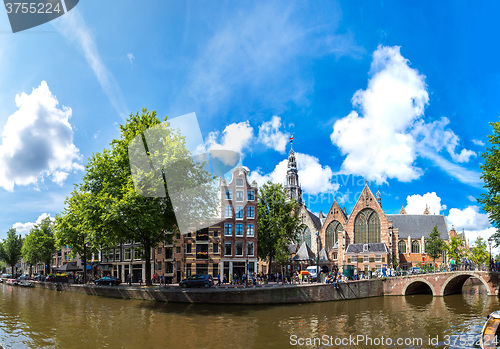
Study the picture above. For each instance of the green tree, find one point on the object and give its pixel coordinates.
(490, 200)
(434, 245)
(109, 207)
(277, 225)
(455, 249)
(40, 244)
(480, 253)
(10, 250)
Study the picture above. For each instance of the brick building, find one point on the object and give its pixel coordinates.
(227, 247)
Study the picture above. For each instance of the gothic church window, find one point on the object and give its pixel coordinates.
(402, 246)
(367, 227)
(332, 234)
(415, 247)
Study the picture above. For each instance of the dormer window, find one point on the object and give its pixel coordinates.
(365, 247)
(239, 182)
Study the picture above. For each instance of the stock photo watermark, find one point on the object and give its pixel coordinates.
(27, 14)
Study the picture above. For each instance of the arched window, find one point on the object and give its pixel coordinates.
(415, 247)
(304, 235)
(367, 227)
(402, 246)
(332, 234)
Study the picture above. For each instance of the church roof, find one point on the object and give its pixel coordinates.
(304, 253)
(323, 256)
(315, 219)
(418, 225)
(372, 247)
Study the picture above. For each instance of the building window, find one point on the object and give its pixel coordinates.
(378, 258)
(229, 196)
(178, 249)
(250, 211)
(229, 212)
(415, 247)
(239, 182)
(239, 248)
(169, 252)
(304, 235)
(239, 229)
(215, 270)
(239, 195)
(354, 259)
(169, 267)
(239, 211)
(188, 248)
(402, 246)
(188, 269)
(366, 258)
(332, 234)
(250, 195)
(228, 249)
(128, 254)
(159, 250)
(216, 233)
(250, 248)
(228, 229)
(249, 229)
(159, 266)
(117, 255)
(367, 227)
(215, 248)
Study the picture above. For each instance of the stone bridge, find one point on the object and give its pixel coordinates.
(440, 284)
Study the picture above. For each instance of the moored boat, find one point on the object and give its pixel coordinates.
(25, 283)
(12, 282)
(490, 335)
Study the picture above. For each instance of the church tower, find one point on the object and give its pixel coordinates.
(292, 177)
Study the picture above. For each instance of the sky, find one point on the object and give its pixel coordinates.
(396, 94)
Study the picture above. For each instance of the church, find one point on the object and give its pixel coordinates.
(365, 239)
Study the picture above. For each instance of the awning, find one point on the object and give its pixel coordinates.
(67, 268)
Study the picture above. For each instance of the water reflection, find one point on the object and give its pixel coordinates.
(34, 318)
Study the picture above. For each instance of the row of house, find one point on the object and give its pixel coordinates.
(366, 239)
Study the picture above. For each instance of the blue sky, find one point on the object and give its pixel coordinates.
(396, 93)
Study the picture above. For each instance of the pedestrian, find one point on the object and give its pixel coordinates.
(218, 279)
(161, 279)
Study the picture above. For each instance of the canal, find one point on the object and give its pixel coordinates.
(37, 318)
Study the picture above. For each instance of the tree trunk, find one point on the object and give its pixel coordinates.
(84, 265)
(47, 266)
(12, 270)
(31, 270)
(147, 258)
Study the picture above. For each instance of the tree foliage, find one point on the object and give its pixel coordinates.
(490, 200)
(40, 244)
(10, 248)
(434, 246)
(455, 249)
(278, 223)
(479, 253)
(109, 208)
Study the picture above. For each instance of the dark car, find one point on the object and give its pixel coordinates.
(107, 280)
(197, 281)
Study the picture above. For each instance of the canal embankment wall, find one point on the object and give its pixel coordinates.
(265, 294)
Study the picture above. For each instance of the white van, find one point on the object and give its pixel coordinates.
(312, 272)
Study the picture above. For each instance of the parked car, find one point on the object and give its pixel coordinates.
(197, 281)
(415, 270)
(108, 280)
(39, 277)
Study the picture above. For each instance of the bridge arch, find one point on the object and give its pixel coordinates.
(454, 283)
(418, 286)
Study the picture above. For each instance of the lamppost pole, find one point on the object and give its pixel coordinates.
(490, 240)
(317, 258)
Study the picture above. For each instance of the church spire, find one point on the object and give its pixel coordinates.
(292, 177)
(402, 211)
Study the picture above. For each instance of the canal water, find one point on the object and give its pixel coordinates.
(37, 318)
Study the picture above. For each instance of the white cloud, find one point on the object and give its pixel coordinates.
(474, 223)
(271, 136)
(469, 218)
(73, 27)
(383, 140)
(471, 198)
(24, 228)
(436, 136)
(131, 58)
(235, 136)
(37, 141)
(478, 142)
(313, 177)
(416, 204)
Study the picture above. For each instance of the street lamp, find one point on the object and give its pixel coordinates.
(490, 240)
(317, 258)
